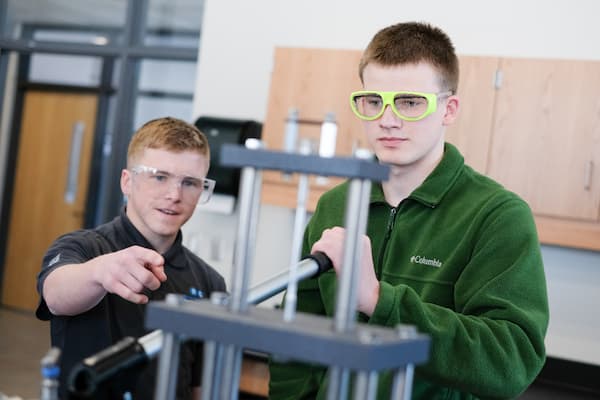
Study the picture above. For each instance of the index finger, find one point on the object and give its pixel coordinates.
(158, 271)
(148, 257)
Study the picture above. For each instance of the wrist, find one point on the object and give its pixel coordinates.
(96, 273)
(371, 300)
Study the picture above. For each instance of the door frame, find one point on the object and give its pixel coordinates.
(129, 51)
(49, 195)
(103, 92)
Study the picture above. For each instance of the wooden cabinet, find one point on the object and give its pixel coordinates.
(315, 82)
(547, 135)
(472, 130)
(546, 144)
(533, 125)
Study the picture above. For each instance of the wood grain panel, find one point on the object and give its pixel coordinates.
(39, 212)
(537, 132)
(315, 82)
(547, 136)
(569, 233)
(471, 133)
(254, 378)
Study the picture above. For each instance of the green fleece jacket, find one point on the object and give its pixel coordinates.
(460, 260)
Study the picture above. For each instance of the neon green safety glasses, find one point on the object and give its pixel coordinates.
(409, 106)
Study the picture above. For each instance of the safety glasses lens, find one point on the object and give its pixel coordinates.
(368, 105)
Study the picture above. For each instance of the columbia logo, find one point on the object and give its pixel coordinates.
(426, 261)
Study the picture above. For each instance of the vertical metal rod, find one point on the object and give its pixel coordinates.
(247, 223)
(361, 385)
(337, 385)
(6, 114)
(208, 369)
(168, 361)
(403, 377)
(133, 34)
(373, 381)
(365, 387)
(402, 383)
(228, 363)
(397, 391)
(212, 378)
(229, 388)
(345, 300)
(4, 59)
(233, 354)
(408, 382)
(213, 356)
(252, 229)
(234, 375)
(218, 371)
(356, 224)
(292, 290)
(344, 312)
(346, 297)
(239, 277)
(242, 263)
(299, 222)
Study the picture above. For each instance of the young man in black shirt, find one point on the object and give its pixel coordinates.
(94, 284)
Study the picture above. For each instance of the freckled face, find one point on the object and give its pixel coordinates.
(159, 216)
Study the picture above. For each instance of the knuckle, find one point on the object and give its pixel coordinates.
(110, 284)
(149, 280)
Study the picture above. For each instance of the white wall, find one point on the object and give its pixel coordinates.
(238, 36)
(235, 62)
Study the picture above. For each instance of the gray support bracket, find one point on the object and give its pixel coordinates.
(345, 167)
(309, 338)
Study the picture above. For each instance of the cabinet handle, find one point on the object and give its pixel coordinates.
(74, 158)
(587, 178)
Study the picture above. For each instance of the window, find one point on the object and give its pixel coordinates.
(138, 56)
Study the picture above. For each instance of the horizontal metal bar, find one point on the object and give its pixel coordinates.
(31, 46)
(348, 167)
(279, 282)
(308, 338)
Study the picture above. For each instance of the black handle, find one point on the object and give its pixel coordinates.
(322, 260)
(85, 377)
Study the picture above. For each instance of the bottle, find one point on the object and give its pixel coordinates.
(327, 142)
(291, 131)
(328, 136)
(290, 139)
(50, 372)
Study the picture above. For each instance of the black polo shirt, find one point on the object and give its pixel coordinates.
(114, 317)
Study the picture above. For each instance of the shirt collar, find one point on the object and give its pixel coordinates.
(432, 191)
(174, 257)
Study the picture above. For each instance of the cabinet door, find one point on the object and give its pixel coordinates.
(546, 136)
(315, 82)
(471, 132)
(51, 185)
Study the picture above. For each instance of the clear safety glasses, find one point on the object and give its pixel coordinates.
(409, 106)
(157, 182)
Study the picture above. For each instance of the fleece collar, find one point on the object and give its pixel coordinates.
(437, 184)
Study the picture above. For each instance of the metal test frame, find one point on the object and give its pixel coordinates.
(230, 324)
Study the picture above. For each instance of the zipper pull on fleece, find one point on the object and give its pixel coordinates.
(391, 220)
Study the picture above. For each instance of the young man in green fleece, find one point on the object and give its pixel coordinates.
(447, 250)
